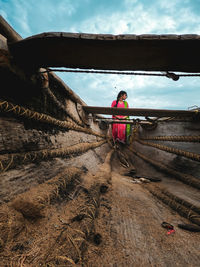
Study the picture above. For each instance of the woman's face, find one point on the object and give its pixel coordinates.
(124, 96)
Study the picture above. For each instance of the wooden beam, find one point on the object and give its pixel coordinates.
(7, 31)
(110, 121)
(12, 36)
(110, 52)
(123, 121)
(140, 112)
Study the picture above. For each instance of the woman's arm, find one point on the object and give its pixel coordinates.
(113, 104)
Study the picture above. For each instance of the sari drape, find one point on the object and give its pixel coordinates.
(120, 132)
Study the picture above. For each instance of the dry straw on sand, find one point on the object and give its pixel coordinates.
(32, 203)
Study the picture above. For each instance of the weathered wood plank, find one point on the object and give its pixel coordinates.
(7, 31)
(110, 52)
(139, 112)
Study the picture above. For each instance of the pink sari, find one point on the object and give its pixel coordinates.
(118, 130)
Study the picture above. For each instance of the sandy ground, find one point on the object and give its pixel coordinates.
(127, 229)
(133, 232)
(146, 242)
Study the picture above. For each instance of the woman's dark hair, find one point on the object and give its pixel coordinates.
(121, 93)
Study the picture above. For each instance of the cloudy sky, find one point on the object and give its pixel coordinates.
(30, 17)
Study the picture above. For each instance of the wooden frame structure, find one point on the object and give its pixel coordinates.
(140, 112)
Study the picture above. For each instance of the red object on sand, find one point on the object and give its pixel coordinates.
(170, 231)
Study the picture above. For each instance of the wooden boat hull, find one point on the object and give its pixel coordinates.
(69, 196)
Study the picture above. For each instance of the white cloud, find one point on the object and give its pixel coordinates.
(134, 17)
(143, 91)
(160, 17)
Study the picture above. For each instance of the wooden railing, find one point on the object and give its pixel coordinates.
(140, 112)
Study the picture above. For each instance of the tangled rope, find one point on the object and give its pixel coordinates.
(20, 111)
(8, 161)
(176, 151)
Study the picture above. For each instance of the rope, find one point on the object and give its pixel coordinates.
(185, 178)
(135, 131)
(174, 138)
(181, 201)
(32, 202)
(181, 209)
(169, 75)
(176, 151)
(20, 111)
(9, 161)
(61, 106)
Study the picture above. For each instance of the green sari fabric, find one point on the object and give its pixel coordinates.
(128, 126)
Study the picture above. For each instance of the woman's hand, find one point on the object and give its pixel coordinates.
(117, 117)
(121, 117)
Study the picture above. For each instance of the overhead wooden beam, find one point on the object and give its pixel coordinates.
(110, 52)
(140, 112)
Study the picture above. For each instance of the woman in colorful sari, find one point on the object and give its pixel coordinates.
(120, 132)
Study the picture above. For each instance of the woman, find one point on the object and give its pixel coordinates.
(120, 132)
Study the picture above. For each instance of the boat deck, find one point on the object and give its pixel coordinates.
(121, 227)
(132, 231)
